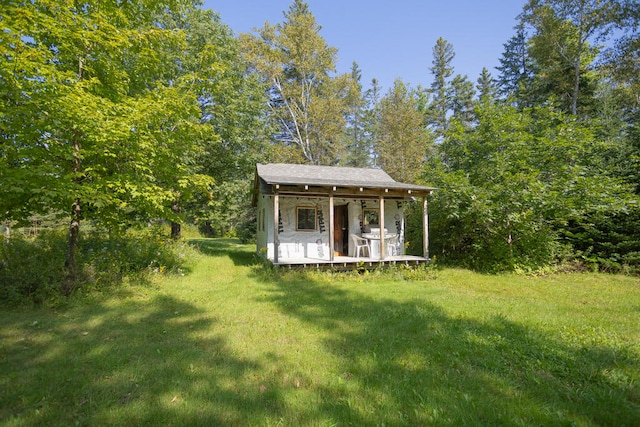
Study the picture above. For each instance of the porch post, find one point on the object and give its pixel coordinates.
(425, 226)
(331, 233)
(276, 219)
(382, 245)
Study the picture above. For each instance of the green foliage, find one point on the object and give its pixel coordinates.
(308, 102)
(360, 122)
(607, 242)
(402, 140)
(511, 184)
(442, 70)
(31, 267)
(487, 86)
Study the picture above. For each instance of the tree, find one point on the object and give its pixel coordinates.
(560, 43)
(441, 70)
(403, 140)
(487, 87)
(357, 135)
(513, 184)
(516, 74)
(308, 103)
(461, 95)
(106, 119)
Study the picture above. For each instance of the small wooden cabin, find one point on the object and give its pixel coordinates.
(313, 215)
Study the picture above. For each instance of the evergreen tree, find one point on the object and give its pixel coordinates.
(516, 75)
(441, 70)
(372, 119)
(462, 93)
(358, 140)
(487, 87)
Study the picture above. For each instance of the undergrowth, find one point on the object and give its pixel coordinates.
(32, 268)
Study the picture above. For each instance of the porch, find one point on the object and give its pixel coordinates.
(321, 216)
(348, 262)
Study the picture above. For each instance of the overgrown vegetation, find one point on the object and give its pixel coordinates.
(233, 343)
(31, 267)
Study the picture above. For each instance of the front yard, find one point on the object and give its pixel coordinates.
(230, 343)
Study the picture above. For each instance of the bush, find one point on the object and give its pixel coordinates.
(32, 269)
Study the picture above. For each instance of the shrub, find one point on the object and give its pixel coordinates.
(32, 269)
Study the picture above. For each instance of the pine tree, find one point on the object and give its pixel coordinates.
(462, 93)
(358, 140)
(487, 86)
(372, 119)
(441, 70)
(516, 76)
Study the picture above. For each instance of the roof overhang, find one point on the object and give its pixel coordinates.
(325, 186)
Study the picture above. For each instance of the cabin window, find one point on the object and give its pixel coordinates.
(306, 218)
(371, 216)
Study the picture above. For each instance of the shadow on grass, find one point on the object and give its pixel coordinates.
(236, 251)
(410, 363)
(152, 362)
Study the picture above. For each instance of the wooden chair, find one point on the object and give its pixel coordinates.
(360, 243)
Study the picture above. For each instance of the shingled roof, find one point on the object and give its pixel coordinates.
(291, 174)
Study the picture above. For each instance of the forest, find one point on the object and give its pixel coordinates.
(123, 122)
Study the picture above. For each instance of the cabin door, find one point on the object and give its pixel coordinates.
(341, 230)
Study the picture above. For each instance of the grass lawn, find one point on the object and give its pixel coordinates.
(231, 343)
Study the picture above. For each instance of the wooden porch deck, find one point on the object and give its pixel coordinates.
(348, 263)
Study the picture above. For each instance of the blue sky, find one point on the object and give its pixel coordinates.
(391, 39)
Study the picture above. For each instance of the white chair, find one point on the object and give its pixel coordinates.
(392, 245)
(360, 244)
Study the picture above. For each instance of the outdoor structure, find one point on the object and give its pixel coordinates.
(333, 216)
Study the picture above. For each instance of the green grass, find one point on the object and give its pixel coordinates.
(231, 343)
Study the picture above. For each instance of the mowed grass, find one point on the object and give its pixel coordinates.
(233, 343)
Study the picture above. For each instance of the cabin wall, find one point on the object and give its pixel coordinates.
(264, 227)
(293, 243)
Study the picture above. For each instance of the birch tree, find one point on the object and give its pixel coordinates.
(308, 100)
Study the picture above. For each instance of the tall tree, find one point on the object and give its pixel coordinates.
(358, 139)
(372, 118)
(516, 74)
(307, 100)
(564, 31)
(403, 140)
(441, 70)
(462, 93)
(107, 120)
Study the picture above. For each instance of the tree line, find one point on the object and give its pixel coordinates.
(118, 113)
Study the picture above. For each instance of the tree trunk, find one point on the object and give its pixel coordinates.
(576, 89)
(71, 263)
(7, 229)
(176, 229)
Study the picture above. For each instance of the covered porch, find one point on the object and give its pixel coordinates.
(349, 262)
(335, 217)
